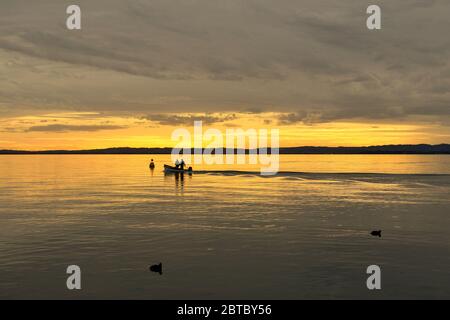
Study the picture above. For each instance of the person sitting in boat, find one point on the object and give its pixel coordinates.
(177, 164)
(182, 164)
(152, 164)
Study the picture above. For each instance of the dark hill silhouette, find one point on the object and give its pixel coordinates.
(383, 149)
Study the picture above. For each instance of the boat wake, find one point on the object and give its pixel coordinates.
(430, 179)
(300, 173)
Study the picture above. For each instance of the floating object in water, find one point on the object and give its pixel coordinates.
(156, 268)
(170, 169)
(376, 233)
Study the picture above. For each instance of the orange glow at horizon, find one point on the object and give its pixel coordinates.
(75, 131)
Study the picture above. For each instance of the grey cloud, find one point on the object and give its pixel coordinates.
(348, 113)
(66, 128)
(254, 110)
(313, 59)
(304, 117)
(291, 118)
(188, 120)
(10, 130)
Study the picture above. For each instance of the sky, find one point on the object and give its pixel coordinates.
(139, 69)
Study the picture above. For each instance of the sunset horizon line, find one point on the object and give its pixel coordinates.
(421, 148)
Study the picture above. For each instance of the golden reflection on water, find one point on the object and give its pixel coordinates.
(223, 235)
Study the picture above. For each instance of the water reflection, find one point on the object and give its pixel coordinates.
(179, 179)
(293, 234)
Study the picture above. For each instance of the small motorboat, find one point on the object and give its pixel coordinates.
(171, 169)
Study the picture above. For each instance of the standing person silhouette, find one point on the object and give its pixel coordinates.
(182, 164)
(177, 164)
(152, 164)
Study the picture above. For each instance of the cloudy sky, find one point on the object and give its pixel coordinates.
(140, 68)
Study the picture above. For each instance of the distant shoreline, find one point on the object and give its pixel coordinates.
(383, 149)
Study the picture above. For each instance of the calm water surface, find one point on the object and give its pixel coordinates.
(225, 235)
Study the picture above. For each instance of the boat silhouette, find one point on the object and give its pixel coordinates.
(171, 169)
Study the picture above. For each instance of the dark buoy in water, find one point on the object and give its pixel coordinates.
(156, 268)
(376, 233)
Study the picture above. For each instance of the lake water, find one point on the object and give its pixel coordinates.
(301, 234)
